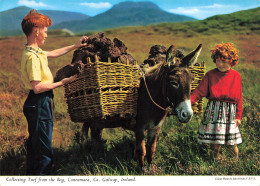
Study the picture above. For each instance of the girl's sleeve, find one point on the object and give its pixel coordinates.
(239, 104)
(201, 90)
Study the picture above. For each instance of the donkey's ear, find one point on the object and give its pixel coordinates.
(170, 56)
(191, 58)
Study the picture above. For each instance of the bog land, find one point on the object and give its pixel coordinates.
(178, 152)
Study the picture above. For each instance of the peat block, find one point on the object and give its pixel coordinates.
(98, 45)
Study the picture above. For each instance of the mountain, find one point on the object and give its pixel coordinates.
(124, 14)
(10, 20)
(63, 16)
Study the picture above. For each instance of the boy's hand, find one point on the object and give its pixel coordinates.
(81, 43)
(69, 79)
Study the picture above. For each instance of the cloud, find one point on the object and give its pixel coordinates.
(97, 5)
(31, 3)
(182, 10)
(202, 12)
(214, 6)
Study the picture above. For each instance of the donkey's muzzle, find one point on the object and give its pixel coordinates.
(185, 116)
(184, 111)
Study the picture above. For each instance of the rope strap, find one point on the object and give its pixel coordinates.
(165, 109)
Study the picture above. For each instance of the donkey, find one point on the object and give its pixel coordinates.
(164, 85)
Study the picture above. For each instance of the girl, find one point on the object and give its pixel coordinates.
(222, 86)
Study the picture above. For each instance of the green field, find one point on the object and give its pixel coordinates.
(178, 152)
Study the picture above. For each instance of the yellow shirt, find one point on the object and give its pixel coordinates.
(34, 67)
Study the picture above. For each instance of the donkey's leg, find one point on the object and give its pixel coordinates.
(140, 150)
(151, 143)
(85, 129)
(96, 134)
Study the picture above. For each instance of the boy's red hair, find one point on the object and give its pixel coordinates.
(225, 51)
(34, 19)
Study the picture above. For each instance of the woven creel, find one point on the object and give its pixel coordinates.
(109, 90)
(103, 90)
(198, 71)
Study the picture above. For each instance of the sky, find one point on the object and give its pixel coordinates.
(199, 9)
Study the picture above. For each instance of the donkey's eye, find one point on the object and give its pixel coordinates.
(177, 60)
(174, 84)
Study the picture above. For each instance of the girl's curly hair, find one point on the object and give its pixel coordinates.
(34, 19)
(225, 51)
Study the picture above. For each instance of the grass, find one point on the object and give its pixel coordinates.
(178, 152)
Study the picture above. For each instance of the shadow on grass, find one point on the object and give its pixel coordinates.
(86, 158)
(13, 162)
(95, 158)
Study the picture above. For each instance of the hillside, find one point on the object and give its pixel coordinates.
(124, 14)
(10, 20)
(242, 22)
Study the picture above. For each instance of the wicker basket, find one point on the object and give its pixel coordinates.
(198, 71)
(109, 90)
(103, 90)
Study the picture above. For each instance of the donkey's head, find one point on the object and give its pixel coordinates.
(178, 83)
